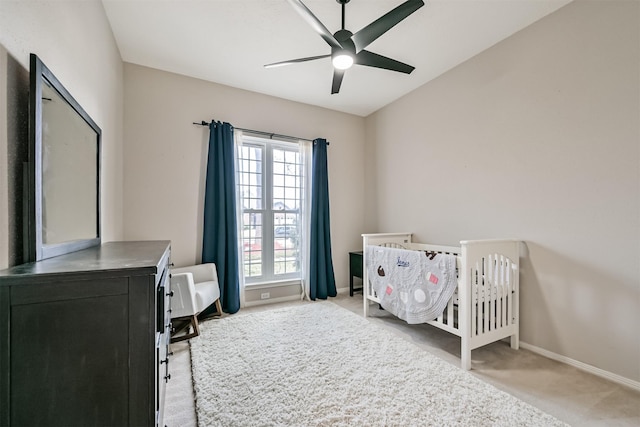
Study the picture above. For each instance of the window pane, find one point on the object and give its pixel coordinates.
(278, 167)
(252, 244)
(279, 205)
(251, 177)
(286, 243)
(286, 179)
(290, 157)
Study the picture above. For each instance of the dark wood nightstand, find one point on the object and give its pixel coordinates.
(355, 270)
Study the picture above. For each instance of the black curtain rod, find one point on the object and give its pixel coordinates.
(259, 132)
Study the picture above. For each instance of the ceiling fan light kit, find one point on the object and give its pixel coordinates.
(342, 60)
(348, 48)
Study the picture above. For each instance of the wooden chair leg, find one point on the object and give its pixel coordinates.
(216, 314)
(194, 325)
(193, 322)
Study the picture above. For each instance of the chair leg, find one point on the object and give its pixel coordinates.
(216, 314)
(193, 322)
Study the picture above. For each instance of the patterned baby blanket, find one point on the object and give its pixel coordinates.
(413, 285)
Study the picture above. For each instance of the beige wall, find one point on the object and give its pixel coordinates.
(536, 138)
(75, 41)
(165, 157)
(14, 126)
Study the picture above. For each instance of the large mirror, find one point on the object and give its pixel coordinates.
(64, 170)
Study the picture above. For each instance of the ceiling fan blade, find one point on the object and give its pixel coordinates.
(371, 32)
(315, 23)
(370, 59)
(295, 61)
(337, 81)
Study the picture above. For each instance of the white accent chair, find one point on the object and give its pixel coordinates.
(194, 289)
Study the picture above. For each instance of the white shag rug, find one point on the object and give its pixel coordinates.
(318, 364)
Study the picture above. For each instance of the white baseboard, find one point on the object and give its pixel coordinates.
(285, 299)
(272, 300)
(583, 366)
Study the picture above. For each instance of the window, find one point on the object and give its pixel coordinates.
(271, 188)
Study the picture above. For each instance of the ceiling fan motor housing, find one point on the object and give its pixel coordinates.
(344, 38)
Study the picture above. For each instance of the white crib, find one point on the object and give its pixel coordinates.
(484, 308)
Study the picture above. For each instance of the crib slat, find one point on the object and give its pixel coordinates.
(444, 316)
(499, 289)
(503, 264)
(489, 293)
(499, 284)
(505, 286)
(474, 301)
(484, 293)
(479, 300)
(481, 295)
(505, 289)
(510, 319)
(512, 303)
(499, 293)
(488, 290)
(494, 291)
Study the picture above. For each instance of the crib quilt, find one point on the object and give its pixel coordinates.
(412, 285)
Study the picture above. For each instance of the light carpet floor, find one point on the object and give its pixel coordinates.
(319, 364)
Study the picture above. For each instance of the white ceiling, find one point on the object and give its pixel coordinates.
(229, 41)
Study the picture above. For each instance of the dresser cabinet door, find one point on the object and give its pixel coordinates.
(69, 349)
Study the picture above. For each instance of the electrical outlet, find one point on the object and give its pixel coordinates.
(265, 295)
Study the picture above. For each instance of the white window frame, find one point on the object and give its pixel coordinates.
(268, 277)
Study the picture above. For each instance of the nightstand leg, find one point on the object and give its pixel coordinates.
(350, 286)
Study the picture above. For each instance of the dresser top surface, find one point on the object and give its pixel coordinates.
(142, 257)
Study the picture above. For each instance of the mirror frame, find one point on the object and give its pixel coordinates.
(35, 248)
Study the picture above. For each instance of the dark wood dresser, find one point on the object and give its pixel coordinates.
(84, 337)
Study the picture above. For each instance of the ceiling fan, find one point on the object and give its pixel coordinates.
(348, 48)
